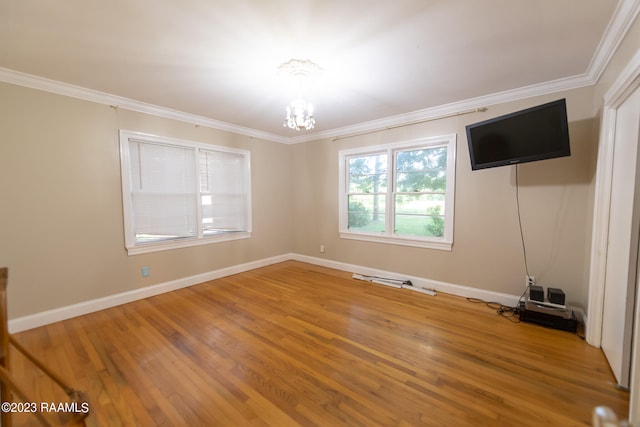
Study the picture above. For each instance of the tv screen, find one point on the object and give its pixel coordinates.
(537, 133)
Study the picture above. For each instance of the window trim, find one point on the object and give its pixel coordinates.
(388, 237)
(134, 248)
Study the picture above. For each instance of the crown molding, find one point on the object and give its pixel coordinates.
(447, 110)
(623, 17)
(65, 89)
(625, 14)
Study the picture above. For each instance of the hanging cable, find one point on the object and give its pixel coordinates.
(511, 313)
(524, 247)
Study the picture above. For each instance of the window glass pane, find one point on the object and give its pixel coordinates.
(161, 217)
(415, 180)
(178, 192)
(163, 192)
(368, 174)
(421, 170)
(223, 194)
(367, 212)
(224, 214)
(221, 172)
(419, 215)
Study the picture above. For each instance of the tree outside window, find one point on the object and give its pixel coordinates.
(400, 193)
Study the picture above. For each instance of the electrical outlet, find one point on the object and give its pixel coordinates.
(146, 271)
(321, 249)
(530, 281)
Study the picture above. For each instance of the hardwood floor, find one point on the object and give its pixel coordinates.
(297, 344)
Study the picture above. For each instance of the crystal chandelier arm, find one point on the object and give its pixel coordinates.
(299, 112)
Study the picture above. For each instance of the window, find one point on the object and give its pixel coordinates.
(180, 193)
(399, 193)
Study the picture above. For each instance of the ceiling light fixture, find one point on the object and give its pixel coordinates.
(299, 112)
(299, 115)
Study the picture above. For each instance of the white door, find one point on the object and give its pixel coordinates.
(622, 248)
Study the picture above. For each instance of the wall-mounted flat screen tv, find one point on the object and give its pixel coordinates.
(537, 133)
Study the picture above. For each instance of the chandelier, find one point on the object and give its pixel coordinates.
(299, 115)
(299, 112)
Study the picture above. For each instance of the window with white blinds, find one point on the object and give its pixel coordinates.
(222, 192)
(180, 193)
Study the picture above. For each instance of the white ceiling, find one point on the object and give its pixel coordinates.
(383, 60)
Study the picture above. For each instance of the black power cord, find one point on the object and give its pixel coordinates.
(510, 313)
(524, 247)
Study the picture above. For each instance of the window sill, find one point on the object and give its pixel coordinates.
(431, 244)
(184, 243)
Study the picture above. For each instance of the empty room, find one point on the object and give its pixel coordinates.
(319, 213)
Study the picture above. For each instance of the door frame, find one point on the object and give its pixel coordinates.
(625, 84)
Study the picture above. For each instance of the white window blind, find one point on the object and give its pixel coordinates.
(180, 193)
(163, 191)
(222, 184)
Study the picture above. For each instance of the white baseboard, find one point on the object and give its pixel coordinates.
(51, 316)
(449, 288)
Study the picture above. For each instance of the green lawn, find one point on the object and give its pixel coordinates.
(405, 225)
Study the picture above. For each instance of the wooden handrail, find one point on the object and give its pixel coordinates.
(6, 378)
(5, 387)
(8, 385)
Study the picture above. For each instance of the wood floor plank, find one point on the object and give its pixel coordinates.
(295, 344)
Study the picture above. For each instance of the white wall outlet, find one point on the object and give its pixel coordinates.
(321, 249)
(146, 271)
(530, 281)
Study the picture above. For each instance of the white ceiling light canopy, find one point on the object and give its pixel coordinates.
(300, 112)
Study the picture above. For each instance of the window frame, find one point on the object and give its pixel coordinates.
(132, 246)
(388, 236)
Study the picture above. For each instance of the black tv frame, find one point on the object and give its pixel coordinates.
(526, 117)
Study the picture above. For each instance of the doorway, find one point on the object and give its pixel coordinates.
(619, 114)
(622, 248)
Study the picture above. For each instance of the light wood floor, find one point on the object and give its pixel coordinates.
(296, 344)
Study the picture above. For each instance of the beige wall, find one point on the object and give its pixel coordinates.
(61, 227)
(487, 250)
